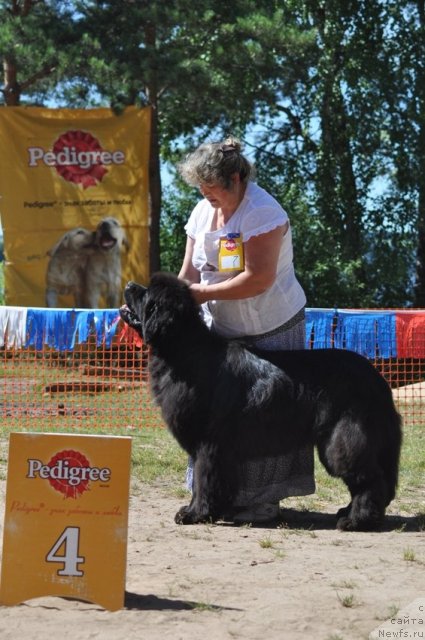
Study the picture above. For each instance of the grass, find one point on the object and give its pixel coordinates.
(347, 601)
(409, 555)
(204, 606)
(266, 543)
(156, 457)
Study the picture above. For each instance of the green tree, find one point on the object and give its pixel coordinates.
(177, 205)
(329, 95)
(190, 62)
(35, 42)
(325, 138)
(195, 64)
(406, 123)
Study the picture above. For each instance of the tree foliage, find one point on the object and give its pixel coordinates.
(328, 134)
(37, 41)
(328, 95)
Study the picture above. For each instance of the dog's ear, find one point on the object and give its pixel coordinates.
(156, 322)
(168, 307)
(62, 243)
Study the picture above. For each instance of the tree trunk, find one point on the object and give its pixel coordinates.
(11, 89)
(351, 211)
(419, 300)
(155, 194)
(326, 178)
(154, 159)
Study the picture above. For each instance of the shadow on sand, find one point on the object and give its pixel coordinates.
(316, 520)
(150, 602)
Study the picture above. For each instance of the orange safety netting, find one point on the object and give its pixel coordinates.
(80, 371)
(91, 386)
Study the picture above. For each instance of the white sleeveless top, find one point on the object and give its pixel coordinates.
(258, 213)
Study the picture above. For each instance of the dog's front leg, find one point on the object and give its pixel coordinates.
(208, 490)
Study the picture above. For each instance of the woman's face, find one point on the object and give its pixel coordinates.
(218, 196)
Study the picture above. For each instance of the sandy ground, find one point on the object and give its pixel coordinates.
(300, 579)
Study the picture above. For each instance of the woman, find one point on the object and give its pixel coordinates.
(239, 263)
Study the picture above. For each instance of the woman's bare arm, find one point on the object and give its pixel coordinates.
(261, 254)
(188, 271)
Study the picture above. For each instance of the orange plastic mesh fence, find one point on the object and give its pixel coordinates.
(104, 384)
(86, 388)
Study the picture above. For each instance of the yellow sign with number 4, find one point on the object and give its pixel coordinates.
(66, 518)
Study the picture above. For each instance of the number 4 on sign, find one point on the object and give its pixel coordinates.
(69, 540)
(62, 491)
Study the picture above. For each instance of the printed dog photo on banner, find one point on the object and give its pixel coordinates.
(75, 217)
(87, 264)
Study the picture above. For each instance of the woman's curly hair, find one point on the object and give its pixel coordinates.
(216, 163)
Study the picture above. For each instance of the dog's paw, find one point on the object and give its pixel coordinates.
(345, 523)
(350, 524)
(182, 516)
(186, 516)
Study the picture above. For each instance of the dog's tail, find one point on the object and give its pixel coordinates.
(390, 456)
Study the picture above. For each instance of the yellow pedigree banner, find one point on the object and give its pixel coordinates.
(74, 204)
(66, 518)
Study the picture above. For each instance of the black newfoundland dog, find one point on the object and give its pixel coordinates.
(225, 404)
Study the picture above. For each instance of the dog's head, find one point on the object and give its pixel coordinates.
(110, 235)
(132, 311)
(74, 241)
(162, 311)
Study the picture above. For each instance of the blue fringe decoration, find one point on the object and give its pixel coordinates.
(61, 329)
(372, 334)
(319, 324)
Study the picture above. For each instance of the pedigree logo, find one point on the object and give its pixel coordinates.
(230, 245)
(77, 157)
(68, 472)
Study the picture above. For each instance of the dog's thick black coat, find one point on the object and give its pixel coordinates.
(225, 404)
